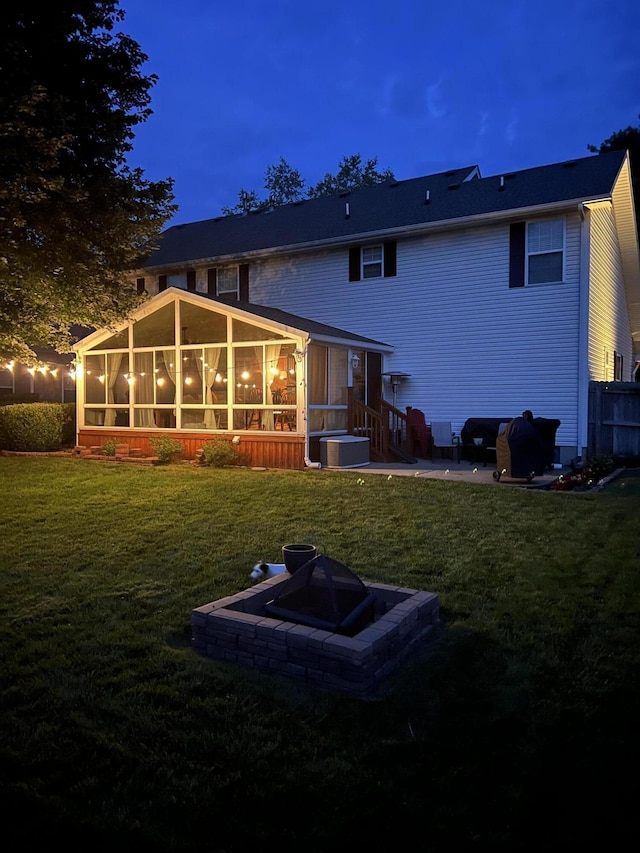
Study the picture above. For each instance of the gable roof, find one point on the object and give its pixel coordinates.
(387, 208)
(282, 320)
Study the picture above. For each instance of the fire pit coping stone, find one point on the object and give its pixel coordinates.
(236, 629)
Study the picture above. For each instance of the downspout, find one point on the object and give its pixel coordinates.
(305, 384)
(583, 331)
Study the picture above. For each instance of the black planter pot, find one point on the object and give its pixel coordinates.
(295, 556)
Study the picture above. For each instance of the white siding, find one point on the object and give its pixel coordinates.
(473, 346)
(609, 329)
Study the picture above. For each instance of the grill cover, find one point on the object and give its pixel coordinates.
(325, 594)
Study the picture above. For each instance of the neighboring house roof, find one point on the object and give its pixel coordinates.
(388, 207)
(317, 332)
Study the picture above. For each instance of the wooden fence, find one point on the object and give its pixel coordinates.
(614, 419)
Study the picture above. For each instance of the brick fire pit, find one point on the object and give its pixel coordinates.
(237, 629)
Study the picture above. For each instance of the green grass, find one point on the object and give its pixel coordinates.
(516, 731)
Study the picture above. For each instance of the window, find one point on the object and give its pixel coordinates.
(536, 252)
(545, 251)
(372, 261)
(618, 363)
(229, 282)
(7, 381)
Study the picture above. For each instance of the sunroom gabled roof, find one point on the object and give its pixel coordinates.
(282, 321)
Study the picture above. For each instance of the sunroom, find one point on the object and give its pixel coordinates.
(193, 367)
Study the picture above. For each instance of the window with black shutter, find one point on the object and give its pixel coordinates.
(191, 280)
(162, 283)
(373, 261)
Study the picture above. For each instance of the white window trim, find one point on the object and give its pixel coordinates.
(528, 253)
(367, 264)
(234, 292)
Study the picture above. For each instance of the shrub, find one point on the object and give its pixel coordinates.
(108, 447)
(166, 449)
(34, 427)
(219, 452)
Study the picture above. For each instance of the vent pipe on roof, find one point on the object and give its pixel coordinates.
(427, 197)
(347, 211)
(501, 182)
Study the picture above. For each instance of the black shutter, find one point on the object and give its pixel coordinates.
(191, 279)
(243, 281)
(516, 254)
(354, 264)
(390, 259)
(140, 286)
(162, 283)
(212, 279)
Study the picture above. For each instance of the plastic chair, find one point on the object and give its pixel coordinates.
(443, 438)
(420, 434)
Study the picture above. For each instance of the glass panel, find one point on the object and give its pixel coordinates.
(227, 280)
(120, 417)
(152, 418)
(372, 262)
(281, 374)
(545, 268)
(156, 330)
(144, 384)
(118, 341)
(358, 376)
(318, 374)
(248, 419)
(165, 376)
(192, 375)
(545, 236)
(6, 380)
(338, 376)
(248, 332)
(117, 376)
(215, 373)
(202, 326)
(194, 419)
(248, 374)
(94, 417)
(323, 420)
(95, 379)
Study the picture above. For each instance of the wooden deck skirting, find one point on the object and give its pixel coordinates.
(256, 450)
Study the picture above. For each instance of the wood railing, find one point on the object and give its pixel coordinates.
(386, 427)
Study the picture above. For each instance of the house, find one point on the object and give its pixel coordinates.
(458, 295)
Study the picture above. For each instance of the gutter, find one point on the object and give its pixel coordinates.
(305, 384)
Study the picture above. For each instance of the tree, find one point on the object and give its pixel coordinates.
(351, 175)
(75, 219)
(285, 184)
(627, 139)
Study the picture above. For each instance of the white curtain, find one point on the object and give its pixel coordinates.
(212, 359)
(114, 360)
(169, 358)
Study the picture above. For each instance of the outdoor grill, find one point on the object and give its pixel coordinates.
(325, 594)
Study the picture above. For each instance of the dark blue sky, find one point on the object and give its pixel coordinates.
(422, 86)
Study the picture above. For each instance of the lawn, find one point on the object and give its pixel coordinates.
(516, 731)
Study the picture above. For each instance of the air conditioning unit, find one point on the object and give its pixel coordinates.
(344, 451)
